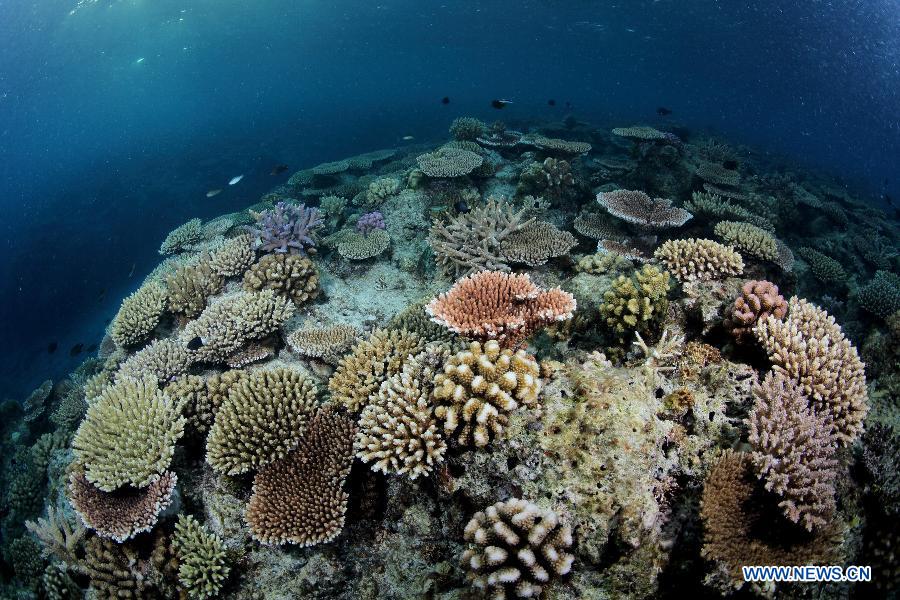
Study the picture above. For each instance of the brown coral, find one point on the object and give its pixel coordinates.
(190, 286)
(758, 300)
(293, 276)
(300, 499)
(638, 208)
(491, 305)
(537, 243)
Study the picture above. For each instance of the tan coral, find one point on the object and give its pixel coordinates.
(699, 260)
(182, 237)
(537, 243)
(233, 257)
(751, 239)
(139, 315)
(491, 305)
(480, 387)
(327, 342)
(190, 286)
(163, 359)
(293, 276)
(300, 499)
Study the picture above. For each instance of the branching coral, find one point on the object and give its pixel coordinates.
(300, 499)
(190, 286)
(491, 305)
(639, 209)
(203, 397)
(327, 343)
(881, 295)
(290, 275)
(449, 162)
(121, 514)
(59, 536)
(230, 323)
(825, 268)
(472, 241)
(128, 435)
(516, 548)
(467, 128)
(182, 237)
(203, 562)
(551, 178)
(793, 451)
(480, 387)
(749, 238)
(758, 300)
(232, 257)
(261, 420)
(162, 359)
(380, 190)
(287, 228)
(398, 432)
(809, 347)
(699, 260)
(372, 361)
(139, 315)
(635, 304)
(537, 243)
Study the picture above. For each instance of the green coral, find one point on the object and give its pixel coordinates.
(466, 128)
(203, 563)
(825, 268)
(128, 435)
(139, 315)
(635, 303)
(881, 296)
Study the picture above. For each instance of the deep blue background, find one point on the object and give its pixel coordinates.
(100, 156)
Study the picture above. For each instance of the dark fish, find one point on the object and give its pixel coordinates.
(461, 206)
(568, 104)
(498, 104)
(76, 349)
(195, 344)
(278, 170)
(102, 295)
(51, 348)
(131, 272)
(91, 348)
(445, 100)
(663, 111)
(731, 165)
(551, 102)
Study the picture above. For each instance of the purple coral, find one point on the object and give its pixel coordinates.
(369, 222)
(287, 228)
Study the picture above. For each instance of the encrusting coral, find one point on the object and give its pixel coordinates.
(290, 275)
(505, 307)
(758, 300)
(635, 304)
(139, 315)
(478, 389)
(300, 499)
(153, 423)
(516, 548)
(398, 432)
(699, 260)
(203, 562)
(261, 420)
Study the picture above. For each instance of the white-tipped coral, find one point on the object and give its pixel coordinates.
(516, 548)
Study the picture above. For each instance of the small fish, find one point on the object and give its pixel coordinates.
(278, 170)
(91, 348)
(407, 138)
(195, 344)
(139, 61)
(551, 102)
(663, 111)
(498, 104)
(51, 348)
(102, 295)
(212, 193)
(445, 100)
(234, 180)
(461, 206)
(131, 272)
(76, 349)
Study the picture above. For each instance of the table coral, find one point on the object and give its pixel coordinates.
(537, 243)
(638, 208)
(449, 162)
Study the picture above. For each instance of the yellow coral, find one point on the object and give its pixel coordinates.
(634, 304)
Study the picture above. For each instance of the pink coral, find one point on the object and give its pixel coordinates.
(758, 300)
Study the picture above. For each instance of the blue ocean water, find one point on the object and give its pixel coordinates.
(117, 116)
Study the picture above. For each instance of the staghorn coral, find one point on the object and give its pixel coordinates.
(232, 257)
(881, 295)
(327, 343)
(491, 305)
(793, 451)
(362, 246)
(261, 420)
(825, 268)
(749, 238)
(467, 128)
(537, 243)
(287, 228)
(449, 162)
(733, 521)
(472, 241)
(233, 321)
(639, 209)
(480, 387)
(121, 514)
(190, 286)
(758, 300)
(380, 190)
(635, 304)
(162, 359)
(515, 549)
(153, 422)
(398, 432)
(203, 562)
(300, 499)
(182, 237)
(809, 347)
(371, 362)
(59, 536)
(290, 275)
(139, 315)
(699, 260)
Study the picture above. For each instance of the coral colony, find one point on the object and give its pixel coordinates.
(562, 362)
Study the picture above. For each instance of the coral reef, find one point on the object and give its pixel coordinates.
(881, 295)
(190, 286)
(232, 257)
(467, 128)
(749, 238)
(825, 268)
(163, 359)
(182, 237)
(636, 303)
(758, 300)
